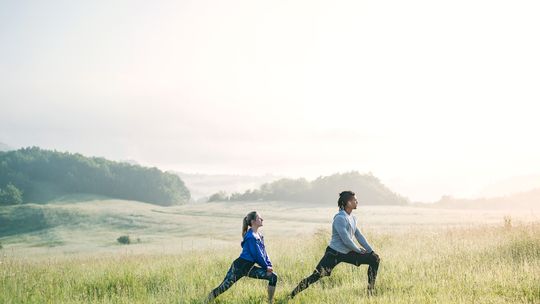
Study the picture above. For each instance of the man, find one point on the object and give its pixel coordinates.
(342, 247)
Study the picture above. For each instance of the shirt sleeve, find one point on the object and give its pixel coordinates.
(362, 240)
(346, 238)
(268, 262)
(256, 253)
(266, 257)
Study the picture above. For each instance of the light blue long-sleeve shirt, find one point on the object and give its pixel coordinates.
(343, 229)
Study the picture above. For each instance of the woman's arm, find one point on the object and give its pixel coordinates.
(256, 253)
(268, 262)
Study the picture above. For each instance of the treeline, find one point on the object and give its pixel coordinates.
(37, 175)
(526, 199)
(369, 190)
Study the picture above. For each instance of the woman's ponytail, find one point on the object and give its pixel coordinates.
(247, 221)
(244, 226)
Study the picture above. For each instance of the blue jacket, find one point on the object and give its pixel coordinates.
(253, 250)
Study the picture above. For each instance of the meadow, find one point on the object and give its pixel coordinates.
(428, 255)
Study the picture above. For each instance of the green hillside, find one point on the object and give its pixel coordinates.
(325, 189)
(42, 175)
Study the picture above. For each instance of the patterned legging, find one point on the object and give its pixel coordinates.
(239, 269)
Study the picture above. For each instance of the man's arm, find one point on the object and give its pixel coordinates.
(362, 240)
(341, 228)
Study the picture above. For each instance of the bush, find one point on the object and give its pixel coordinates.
(10, 195)
(221, 196)
(124, 239)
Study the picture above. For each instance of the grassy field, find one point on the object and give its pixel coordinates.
(428, 255)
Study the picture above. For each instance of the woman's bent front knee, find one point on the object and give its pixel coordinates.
(272, 280)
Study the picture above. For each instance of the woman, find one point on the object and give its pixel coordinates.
(253, 251)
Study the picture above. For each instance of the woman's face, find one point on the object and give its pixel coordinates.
(258, 221)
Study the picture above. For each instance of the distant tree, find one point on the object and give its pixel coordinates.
(218, 197)
(10, 195)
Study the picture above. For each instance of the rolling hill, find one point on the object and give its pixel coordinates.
(43, 175)
(369, 189)
(525, 199)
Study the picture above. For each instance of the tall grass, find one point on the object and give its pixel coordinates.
(482, 264)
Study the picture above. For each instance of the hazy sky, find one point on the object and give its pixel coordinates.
(433, 97)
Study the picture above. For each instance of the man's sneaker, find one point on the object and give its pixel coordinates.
(370, 290)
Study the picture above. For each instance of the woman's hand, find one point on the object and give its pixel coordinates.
(269, 271)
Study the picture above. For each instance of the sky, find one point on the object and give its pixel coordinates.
(433, 97)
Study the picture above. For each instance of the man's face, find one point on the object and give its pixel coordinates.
(352, 203)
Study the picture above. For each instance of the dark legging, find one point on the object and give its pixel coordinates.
(331, 258)
(239, 269)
